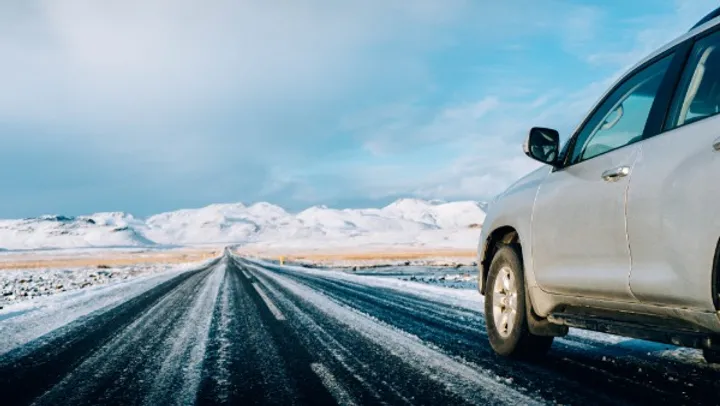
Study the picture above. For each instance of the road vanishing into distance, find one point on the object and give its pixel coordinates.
(241, 332)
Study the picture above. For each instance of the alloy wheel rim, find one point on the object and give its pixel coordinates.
(505, 301)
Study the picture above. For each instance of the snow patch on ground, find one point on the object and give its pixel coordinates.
(447, 277)
(465, 298)
(22, 285)
(360, 264)
(23, 322)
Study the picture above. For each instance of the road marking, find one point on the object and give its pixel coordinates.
(336, 390)
(245, 273)
(273, 309)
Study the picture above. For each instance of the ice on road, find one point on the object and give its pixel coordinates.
(239, 332)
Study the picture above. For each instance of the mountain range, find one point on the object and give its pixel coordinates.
(405, 221)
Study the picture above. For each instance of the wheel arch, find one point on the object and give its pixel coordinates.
(508, 235)
(501, 235)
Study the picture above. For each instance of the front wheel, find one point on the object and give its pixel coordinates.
(505, 308)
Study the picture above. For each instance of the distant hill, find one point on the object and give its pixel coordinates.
(405, 220)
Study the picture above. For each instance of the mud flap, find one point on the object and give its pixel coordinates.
(539, 326)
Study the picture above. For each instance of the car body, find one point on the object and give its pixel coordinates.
(620, 231)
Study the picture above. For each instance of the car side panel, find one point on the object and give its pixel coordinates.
(580, 245)
(514, 209)
(674, 216)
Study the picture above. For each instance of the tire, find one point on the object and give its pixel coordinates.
(711, 356)
(505, 308)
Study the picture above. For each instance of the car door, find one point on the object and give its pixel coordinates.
(674, 197)
(579, 235)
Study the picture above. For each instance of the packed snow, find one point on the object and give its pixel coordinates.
(404, 223)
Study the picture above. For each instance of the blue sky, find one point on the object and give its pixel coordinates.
(152, 106)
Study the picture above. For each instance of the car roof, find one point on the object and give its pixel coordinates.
(710, 16)
(706, 23)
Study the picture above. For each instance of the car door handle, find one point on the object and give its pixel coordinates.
(614, 174)
(716, 144)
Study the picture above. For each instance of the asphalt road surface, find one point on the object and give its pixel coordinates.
(237, 332)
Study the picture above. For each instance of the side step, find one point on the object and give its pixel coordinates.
(668, 334)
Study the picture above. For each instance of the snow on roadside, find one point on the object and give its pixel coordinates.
(455, 277)
(465, 298)
(27, 284)
(449, 262)
(20, 323)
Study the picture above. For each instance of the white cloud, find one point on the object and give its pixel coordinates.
(138, 63)
(494, 159)
(659, 30)
(183, 87)
(581, 26)
(176, 97)
(490, 156)
(473, 111)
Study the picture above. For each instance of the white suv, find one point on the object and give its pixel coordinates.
(620, 232)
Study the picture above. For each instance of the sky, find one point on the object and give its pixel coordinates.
(149, 106)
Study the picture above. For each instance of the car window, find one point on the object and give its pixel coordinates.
(698, 94)
(621, 117)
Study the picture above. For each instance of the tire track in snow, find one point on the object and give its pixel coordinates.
(187, 346)
(458, 332)
(56, 312)
(128, 368)
(577, 369)
(55, 355)
(472, 385)
(243, 365)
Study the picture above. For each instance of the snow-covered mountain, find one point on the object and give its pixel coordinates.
(71, 232)
(261, 223)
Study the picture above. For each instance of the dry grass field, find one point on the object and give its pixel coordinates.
(110, 259)
(321, 257)
(120, 258)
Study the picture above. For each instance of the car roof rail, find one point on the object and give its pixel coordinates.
(711, 15)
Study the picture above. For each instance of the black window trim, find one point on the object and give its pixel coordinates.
(659, 107)
(663, 101)
(690, 44)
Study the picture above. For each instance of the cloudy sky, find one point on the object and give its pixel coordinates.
(148, 106)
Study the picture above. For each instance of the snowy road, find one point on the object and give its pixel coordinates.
(244, 333)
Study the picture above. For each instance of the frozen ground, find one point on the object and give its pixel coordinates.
(27, 284)
(456, 278)
(442, 273)
(335, 259)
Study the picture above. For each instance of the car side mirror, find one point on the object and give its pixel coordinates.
(543, 144)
